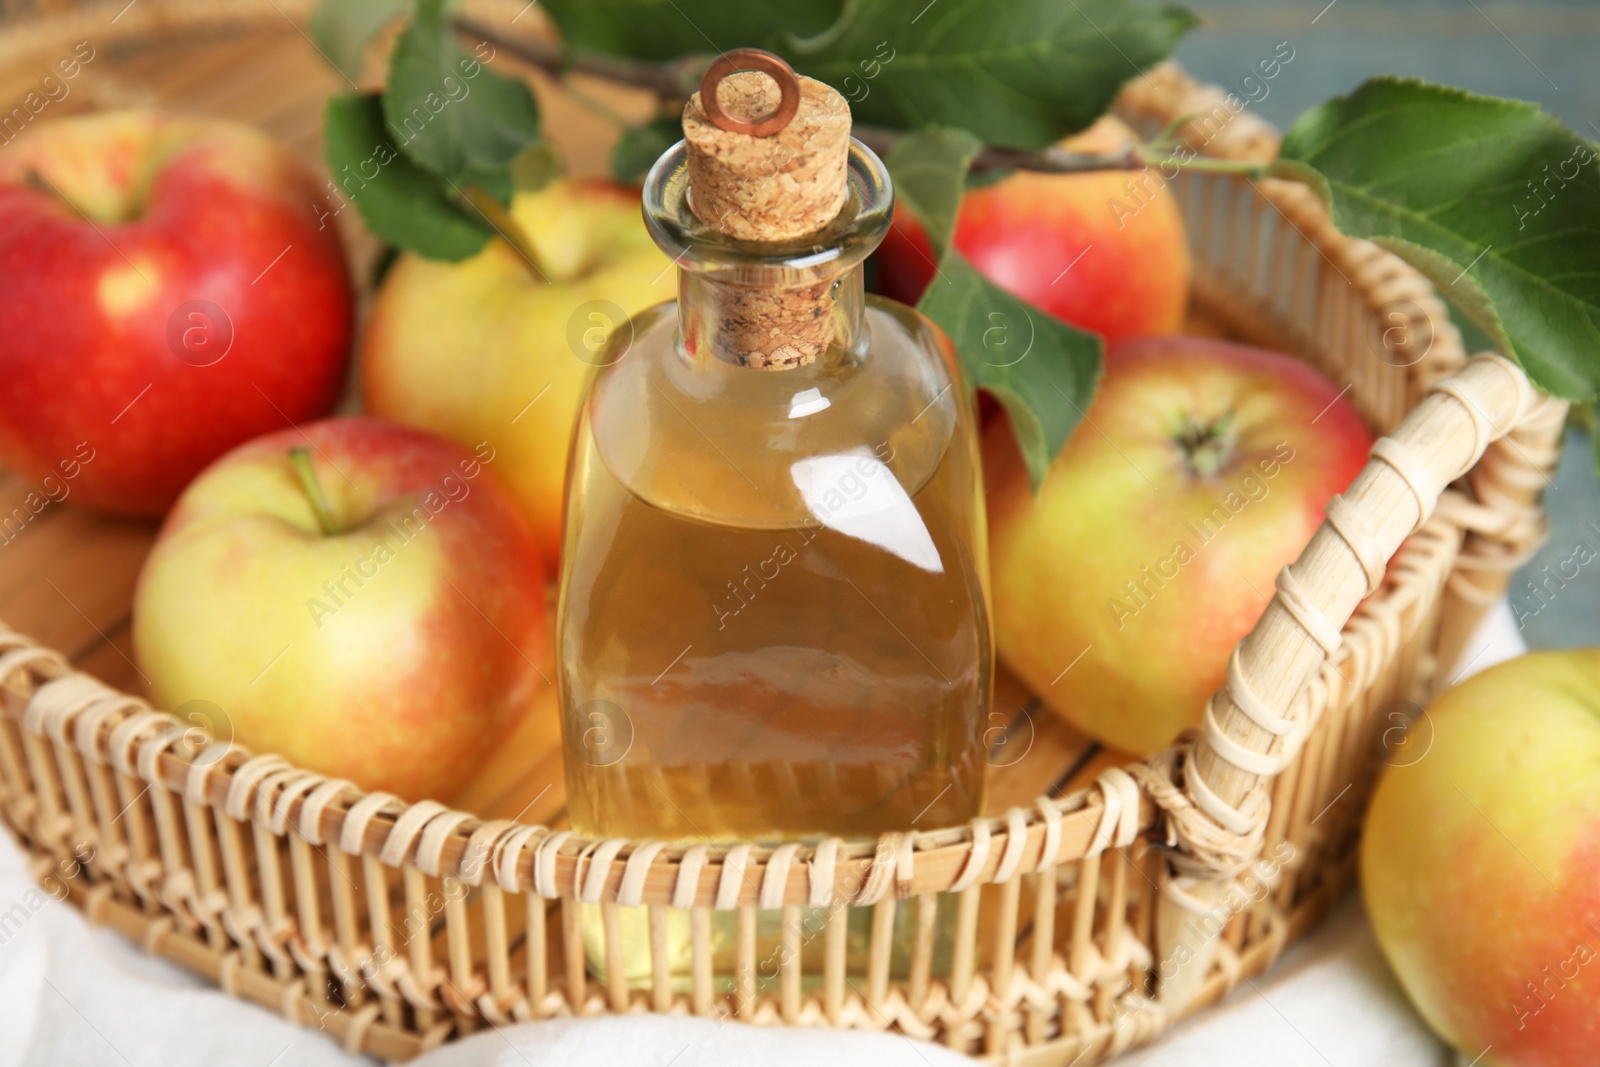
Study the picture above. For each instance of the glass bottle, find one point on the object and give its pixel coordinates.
(773, 621)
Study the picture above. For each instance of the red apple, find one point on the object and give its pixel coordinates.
(1480, 863)
(1104, 251)
(1200, 470)
(170, 293)
(373, 611)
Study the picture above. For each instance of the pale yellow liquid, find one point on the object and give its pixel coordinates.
(772, 618)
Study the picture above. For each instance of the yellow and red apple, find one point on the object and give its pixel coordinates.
(485, 350)
(1200, 470)
(1480, 863)
(169, 293)
(1104, 251)
(373, 610)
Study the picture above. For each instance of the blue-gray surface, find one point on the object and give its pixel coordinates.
(1544, 51)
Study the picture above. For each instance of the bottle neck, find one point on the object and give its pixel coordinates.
(774, 327)
(771, 306)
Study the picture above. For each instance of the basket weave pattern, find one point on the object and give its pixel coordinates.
(1082, 925)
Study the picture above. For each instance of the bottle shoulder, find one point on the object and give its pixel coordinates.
(735, 445)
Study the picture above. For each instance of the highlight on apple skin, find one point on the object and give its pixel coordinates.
(374, 610)
(1201, 469)
(1480, 862)
(170, 293)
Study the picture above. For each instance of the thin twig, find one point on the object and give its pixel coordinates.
(673, 80)
(1052, 160)
(677, 80)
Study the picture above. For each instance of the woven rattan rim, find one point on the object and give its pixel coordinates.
(1216, 815)
(1467, 461)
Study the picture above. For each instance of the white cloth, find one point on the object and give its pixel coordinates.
(75, 994)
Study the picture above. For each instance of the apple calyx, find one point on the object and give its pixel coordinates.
(300, 460)
(1207, 447)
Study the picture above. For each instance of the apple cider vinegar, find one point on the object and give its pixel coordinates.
(773, 624)
(799, 654)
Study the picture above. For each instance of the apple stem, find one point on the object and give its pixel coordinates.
(300, 460)
(497, 216)
(35, 180)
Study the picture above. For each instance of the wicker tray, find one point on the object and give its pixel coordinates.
(1095, 907)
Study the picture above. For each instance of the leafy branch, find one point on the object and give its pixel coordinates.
(1020, 77)
(431, 163)
(1022, 74)
(675, 81)
(1493, 200)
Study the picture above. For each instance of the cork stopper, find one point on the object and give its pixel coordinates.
(768, 152)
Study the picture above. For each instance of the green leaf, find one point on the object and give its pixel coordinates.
(929, 170)
(536, 167)
(1594, 437)
(668, 29)
(1494, 200)
(1473, 339)
(341, 29)
(1042, 371)
(1020, 74)
(641, 146)
(1582, 418)
(978, 179)
(496, 181)
(446, 109)
(399, 201)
